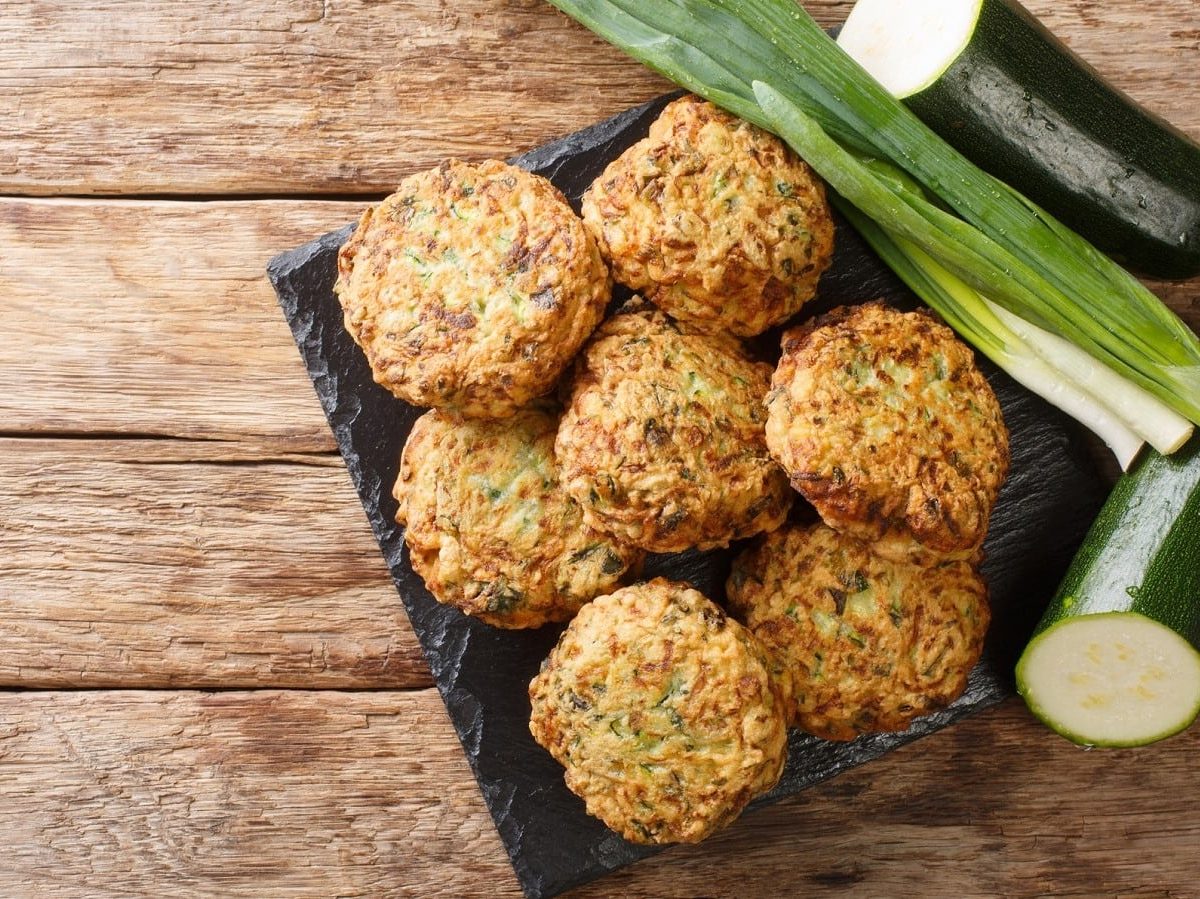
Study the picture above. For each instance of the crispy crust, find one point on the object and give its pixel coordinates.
(883, 422)
(489, 528)
(662, 442)
(867, 644)
(713, 219)
(471, 287)
(663, 712)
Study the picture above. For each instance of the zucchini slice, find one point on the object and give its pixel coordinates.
(1112, 679)
(991, 80)
(1114, 661)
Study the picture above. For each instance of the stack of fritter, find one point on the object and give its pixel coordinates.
(474, 288)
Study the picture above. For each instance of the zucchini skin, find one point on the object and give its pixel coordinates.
(1142, 553)
(1024, 108)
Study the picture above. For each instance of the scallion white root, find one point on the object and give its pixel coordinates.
(989, 331)
(1144, 414)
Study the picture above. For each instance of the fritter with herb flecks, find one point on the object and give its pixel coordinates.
(663, 712)
(662, 441)
(714, 220)
(471, 287)
(883, 422)
(488, 526)
(866, 644)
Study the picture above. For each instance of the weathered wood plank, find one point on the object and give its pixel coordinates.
(239, 794)
(272, 96)
(319, 794)
(155, 563)
(154, 318)
(133, 98)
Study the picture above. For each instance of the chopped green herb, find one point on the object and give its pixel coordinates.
(612, 564)
(580, 554)
(854, 582)
(939, 366)
(502, 598)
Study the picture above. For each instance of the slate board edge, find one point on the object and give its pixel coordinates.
(986, 689)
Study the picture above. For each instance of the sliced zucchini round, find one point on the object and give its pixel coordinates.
(1113, 679)
(1114, 661)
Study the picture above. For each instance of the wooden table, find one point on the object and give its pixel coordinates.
(210, 687)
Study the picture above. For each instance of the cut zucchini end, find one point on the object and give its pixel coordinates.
(1113, 679)
(907, 46)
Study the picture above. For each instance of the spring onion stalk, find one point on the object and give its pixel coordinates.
(904, 211)
(1055, 370)
(997, 241)
(1133, 324)
(1111, 396)
(1160, 426)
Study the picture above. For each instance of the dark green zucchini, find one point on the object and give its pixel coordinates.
(1114, 661)
(991, 80)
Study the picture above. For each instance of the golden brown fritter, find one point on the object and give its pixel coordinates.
(663, 712)
(662, 443)
(713, 219)
(471, 287)
(868, 644)
(883, 422)
(490, 529)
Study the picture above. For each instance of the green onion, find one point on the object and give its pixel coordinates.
(1039, 366)
(1003, 246)
(1110, 405)
(1119, 411)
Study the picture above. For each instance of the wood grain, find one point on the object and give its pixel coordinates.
(238, 795)
(320, 96)
(368, 794)
(158, 563)
(119, 97)
(155, 318)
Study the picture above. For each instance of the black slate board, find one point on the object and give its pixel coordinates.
(1052, 494)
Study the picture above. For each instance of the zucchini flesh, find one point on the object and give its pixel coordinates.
(1113, 679)
(1114, 661)
(991, 80)
(907, 47)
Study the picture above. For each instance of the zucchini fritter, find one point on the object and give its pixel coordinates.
(663, 712)
(867, 644)
(714, 220)
(662, 442)
(471, 287)
(488, 526)
(883, 422)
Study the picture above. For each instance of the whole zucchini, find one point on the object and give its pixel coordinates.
(991, 80)
(1114, 661)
